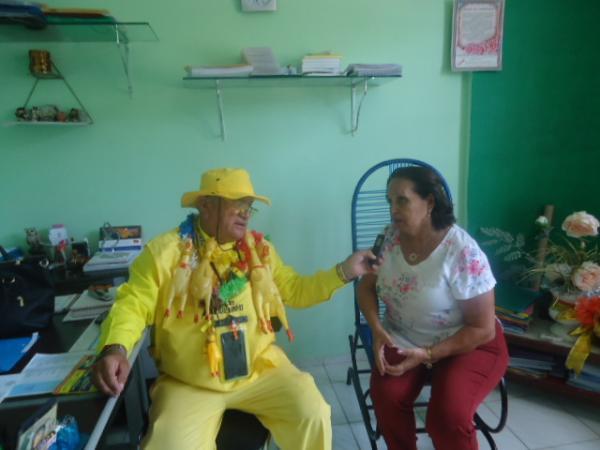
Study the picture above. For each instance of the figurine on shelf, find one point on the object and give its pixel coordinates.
(47, 113)
(32, 236)
(23, 114)
(74, 115)
(35, 114)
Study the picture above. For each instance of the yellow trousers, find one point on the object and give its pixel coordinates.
(284, 399)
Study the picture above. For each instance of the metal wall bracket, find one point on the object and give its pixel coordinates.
(354, 111)
(123, 46)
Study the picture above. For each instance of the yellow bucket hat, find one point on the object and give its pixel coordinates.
(227, 183)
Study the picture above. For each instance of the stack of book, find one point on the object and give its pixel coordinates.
(514, 307)
(235, 70)
(373, 70)
(588, 379)
(532, 364)
(322, 64)
(262, 60)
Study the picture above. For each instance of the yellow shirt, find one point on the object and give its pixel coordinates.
(179, 343)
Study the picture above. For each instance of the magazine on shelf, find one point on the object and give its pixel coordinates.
(236, 70)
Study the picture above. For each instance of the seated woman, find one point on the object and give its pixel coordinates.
(439, 324)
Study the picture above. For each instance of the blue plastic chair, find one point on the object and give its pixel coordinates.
(370, 213)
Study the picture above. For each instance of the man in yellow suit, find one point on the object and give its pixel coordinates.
(210, 287)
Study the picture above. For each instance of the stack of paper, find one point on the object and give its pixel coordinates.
(535, 362)
(363, 70)
(322, 64)
(263, 61)
(110, 260)
(63, 302)
(237, 70)
(88, 306)
(44, 373)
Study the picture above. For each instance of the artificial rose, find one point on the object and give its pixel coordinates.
(557, 272)
(581, 224)
(587, 277)
(588, 311)
(542, 221)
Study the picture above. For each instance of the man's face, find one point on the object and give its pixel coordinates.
(225, 219)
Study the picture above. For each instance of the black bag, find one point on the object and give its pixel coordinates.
(26, 295)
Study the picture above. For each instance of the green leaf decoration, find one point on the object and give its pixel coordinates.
(232, 288)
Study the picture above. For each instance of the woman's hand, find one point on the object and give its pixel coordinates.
(413, 357)
(381, 339)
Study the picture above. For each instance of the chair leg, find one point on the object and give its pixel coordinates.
(353, 376)
(481, 426)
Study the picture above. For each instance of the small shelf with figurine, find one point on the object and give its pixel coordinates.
(49, 115)
(43, 68)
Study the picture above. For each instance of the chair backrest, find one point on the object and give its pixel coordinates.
(370, 211)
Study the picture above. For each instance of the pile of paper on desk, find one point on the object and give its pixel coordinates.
(89, 306)
(104, 260)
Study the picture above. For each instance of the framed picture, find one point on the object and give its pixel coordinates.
(477, 35)
(259, 5)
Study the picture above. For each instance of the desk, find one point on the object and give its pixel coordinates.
(535, 340)
(94, 412)
(69, 282)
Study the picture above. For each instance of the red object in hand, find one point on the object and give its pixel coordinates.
(391, 355)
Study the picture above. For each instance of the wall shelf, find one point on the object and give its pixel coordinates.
(362, 83)
(41, 123)
(539, 339)
(78, 30)
(58, 76)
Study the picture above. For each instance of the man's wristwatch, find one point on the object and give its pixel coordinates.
(112, 348)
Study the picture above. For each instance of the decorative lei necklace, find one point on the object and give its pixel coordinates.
(199, 266)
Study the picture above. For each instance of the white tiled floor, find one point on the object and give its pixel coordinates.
(535, 421)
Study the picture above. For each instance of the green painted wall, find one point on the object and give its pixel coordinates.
(536, 124)
(133, 164)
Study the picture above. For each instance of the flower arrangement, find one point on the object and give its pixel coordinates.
(570, 267)
(571, 264)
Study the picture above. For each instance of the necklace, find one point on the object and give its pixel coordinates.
(413, 257)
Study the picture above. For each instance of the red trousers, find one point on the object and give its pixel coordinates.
(459, 384)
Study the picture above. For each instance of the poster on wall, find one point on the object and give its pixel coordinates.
(477, 35)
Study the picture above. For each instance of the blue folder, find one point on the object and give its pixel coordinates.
(13, 349)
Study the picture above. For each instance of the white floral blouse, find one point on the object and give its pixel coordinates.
(421, 301)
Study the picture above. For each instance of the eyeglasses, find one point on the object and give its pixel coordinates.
(246, 210)
(243, 207)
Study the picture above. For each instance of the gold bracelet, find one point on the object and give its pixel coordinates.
(429, 363)
(340, 273)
